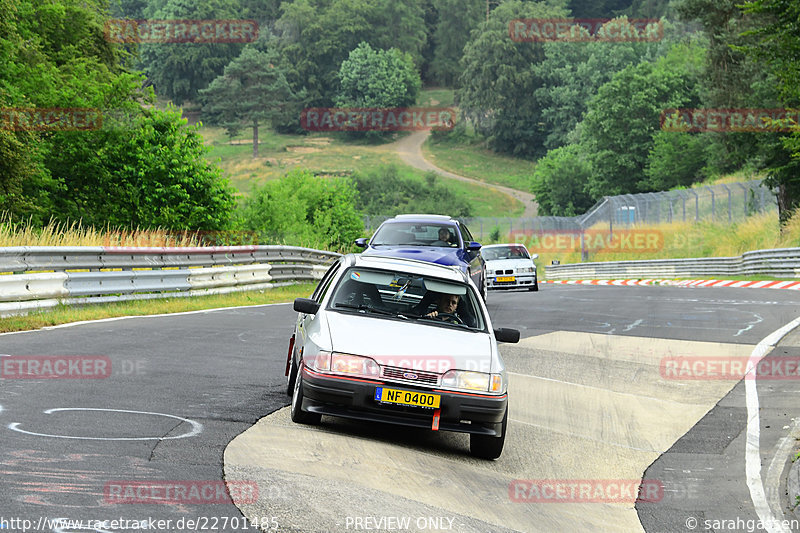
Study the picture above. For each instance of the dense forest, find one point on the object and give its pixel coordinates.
(588, 112)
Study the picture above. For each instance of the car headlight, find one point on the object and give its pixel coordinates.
(474, 381)
(321, 361)
(526, 269)
(354, 364)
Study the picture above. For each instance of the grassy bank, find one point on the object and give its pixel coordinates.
(474, 160)
(66, 314)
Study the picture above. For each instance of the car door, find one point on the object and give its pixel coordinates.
(319, 293)
(474, 259)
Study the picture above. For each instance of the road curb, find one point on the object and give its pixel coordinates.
(691, 283)
(793, 488)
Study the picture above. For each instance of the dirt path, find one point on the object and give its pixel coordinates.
(410, 151)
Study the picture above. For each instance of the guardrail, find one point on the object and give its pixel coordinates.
(779, 263)
(35, 277)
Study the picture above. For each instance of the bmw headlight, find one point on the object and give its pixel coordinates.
(473, 381)
(526, 269)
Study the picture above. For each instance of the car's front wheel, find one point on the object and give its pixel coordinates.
(486, 446)
(535, 286)
(298, 415)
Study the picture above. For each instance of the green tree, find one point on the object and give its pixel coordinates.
(456, 19)
(573, 72)
(150, 172)
(180, 70)
(377, 78)
(141, 167)
(499, 78)
(732, 79)
(559, 182)
(55, 56)
(314, 37)
(131, 9)
(301, 209)
(778, 45)
(253, 91)
(676, 159)
(625, 115)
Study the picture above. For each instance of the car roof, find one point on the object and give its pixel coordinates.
(432, 217)
(412, 266)
(422, 218)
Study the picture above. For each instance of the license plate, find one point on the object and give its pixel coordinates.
(404, 397)
(506, 278)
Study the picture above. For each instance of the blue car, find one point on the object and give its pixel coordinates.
(432, 238)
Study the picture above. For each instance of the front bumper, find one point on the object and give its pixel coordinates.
(520, 281)
(354, 398)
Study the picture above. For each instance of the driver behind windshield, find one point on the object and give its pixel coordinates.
(444, 238)
(446, 306)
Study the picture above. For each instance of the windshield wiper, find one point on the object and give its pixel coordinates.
(375, 310)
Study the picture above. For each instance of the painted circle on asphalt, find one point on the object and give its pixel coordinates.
(197, 427)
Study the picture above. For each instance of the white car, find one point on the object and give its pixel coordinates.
(509, 266)
(401, 341)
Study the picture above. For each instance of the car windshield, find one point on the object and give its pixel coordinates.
(504, 252)
(404, 296)
(416, 234)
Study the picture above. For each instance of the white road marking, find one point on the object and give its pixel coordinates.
(633, 325)
(111, 319)
(196, 426)
(752, 450)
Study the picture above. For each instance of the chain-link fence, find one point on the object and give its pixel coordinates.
(726, 203)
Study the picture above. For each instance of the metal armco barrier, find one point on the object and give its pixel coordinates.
(35, 277)
(779, 263)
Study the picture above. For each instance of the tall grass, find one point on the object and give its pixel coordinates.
(664, 241)
(23, 233)
(676, 240)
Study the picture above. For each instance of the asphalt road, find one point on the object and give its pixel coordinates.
(67, 444)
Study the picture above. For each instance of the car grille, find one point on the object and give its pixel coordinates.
(500, 272)
(429, 378)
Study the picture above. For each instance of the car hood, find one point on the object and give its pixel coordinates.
(410, 344)
(503, 264)
(429, 254)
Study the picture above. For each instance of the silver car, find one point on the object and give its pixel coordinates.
(509, 266)
(400, 341)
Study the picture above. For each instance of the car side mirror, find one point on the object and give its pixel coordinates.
(506, 335)
(473, 246)
(534, 257)
(361, 242)
(306, 305)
